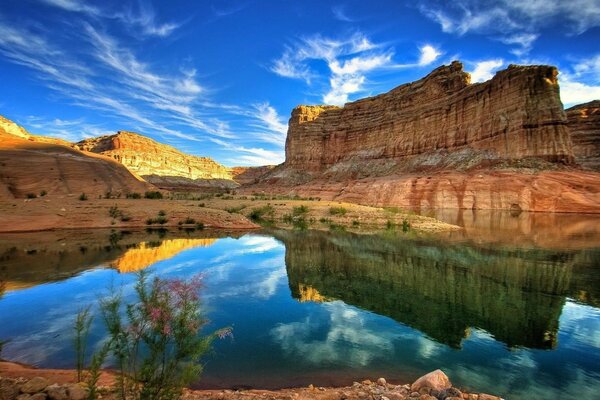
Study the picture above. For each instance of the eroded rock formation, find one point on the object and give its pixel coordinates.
(32, 164)
(249, 175)
(584, 124)
(158, 163)
(441, 142)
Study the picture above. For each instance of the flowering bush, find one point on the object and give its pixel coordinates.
(157, 345)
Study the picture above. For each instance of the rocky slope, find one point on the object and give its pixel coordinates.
(249, 175)
(584, 124)
(441, 142)
(31, 164)
(158, 163)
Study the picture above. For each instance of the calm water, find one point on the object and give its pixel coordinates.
(510, 305)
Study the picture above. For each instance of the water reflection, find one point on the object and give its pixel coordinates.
(519, 318)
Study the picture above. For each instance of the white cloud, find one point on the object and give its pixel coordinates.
(513, 22)
(484, 70)
(139, 17)
(428, 54)
(349, 62)
(581, 82)
(339, 13)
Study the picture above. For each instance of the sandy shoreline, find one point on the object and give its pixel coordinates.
(432, 386)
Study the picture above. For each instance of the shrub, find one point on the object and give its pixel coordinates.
(389, 225)
(31, 195)
(83, 197)
(300, 210)
(153, 195)
(189, 221)
(155, 340)
(125, 218)
(201, 205)
(162, 213)
(200, 226)
(405, 225)
(83, 321)
(355, 222)
(262, 213)
(161, 220)
(133, 195)
(43, 193)
(338, 211)
(114, 212)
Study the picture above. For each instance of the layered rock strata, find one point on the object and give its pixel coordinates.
(158, 163)
(584, 124)
(441, 142)
(31, 165)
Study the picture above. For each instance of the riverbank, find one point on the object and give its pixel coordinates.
(21, 382)
(219, 212)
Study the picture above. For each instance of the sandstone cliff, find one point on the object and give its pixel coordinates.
(158, 163)
(584, 124)
(249, 175)
(32, 164)
(441, 142)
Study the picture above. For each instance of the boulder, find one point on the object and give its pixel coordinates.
(76, 392)
(9, 389)
(35, 385)
(433, 380)
(57, 392)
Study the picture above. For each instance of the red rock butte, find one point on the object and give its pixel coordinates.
(442, 142)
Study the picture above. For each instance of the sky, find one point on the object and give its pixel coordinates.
(219, 78)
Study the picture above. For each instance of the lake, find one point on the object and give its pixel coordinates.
(510, 305)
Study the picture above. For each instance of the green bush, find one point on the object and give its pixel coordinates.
(43, 193)
(200, 226)
(31, 195)
(162, 213)
(153, 195)
(262, 213)
(300, 210)
(133, 195)
(338, 211)
(83, 197)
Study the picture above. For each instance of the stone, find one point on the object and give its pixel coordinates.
(433, 380)
(9, 389)
(381, 382)
(57, 392)
(584, 125)
(38, 396)
(35, 385)
(367, 382)
(23, 396)
(484, 396)
(426, 397)
(450, 392)
(76, 392)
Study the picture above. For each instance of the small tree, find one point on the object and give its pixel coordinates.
(155, 340)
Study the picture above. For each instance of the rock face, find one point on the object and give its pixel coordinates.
(249, 175)
(584, 124)
(515, 115)
(160, 164)
(31, 164)
(441, 142)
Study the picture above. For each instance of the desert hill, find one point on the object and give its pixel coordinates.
(31, 165)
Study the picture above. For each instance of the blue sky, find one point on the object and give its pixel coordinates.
(219, 78)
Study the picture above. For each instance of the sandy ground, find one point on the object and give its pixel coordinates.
(227, 212)
(379, 389)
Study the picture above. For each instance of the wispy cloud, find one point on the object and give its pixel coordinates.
(140, 16)
(349, 62)
(581, 82)
(70, 130)
(512, 22)
(339, 13)
(484, 70)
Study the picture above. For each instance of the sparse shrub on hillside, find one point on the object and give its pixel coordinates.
(133, 195)
(114, 212)
(31, 195)
(389, 225)
(43, 193)
(338, 211)
(300, 210)
(262, 213)
(405, 225)
(355, 223)
(153, 195)
(200, 226)
(201, 205)
(189, 221)
(162, 213)
(83, 197)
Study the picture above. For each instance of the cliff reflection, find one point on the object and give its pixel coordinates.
(30, 259)
(441, 288)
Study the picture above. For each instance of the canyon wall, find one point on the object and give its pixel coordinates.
(160, 164)
(517, 114)
(442, 142)
(584, 124)
(31, 164)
